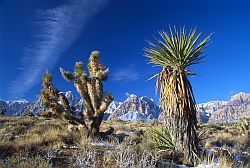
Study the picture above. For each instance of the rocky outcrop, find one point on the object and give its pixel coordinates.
(136, 108)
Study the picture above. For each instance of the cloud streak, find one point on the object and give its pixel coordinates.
(56, 30)
(126, 74)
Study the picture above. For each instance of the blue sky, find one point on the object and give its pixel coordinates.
(44, 34)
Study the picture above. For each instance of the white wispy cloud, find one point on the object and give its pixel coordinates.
(127, 74)
(55, 31)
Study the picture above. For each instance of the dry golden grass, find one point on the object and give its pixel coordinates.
(224, 136)
(32, 136)
(25, 161)
(28, 134)
(125, 127)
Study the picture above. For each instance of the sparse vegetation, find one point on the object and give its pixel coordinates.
(49, 142)
(223, 161)
(27, 162)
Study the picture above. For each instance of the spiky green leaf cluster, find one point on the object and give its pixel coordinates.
(162, 138)
(101, 75)
(45, 104)
(177, 49)
(202, 135)
(79, 71)
(107, 97)
(67, 75)
(78, 74)
(47, 78)
(94, 55)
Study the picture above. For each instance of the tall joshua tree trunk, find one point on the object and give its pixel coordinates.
(90, 89)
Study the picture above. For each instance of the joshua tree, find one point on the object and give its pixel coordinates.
(90, 88)
(243, 125)
(175, 53)
(56, 103)
(2, 110)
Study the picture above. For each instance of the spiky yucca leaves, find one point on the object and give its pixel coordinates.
(90, 88)
(175, 53)
(51, 98)
(162, 138)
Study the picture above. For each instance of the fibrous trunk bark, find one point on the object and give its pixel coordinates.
(185, 136)
(180, 107)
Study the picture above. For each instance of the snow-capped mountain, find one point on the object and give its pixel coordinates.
(226, 111)
(133, 116)
(14, 106)
(136, 108)
(71, 98)
(206, 109)
(22, 106)
(112, 107)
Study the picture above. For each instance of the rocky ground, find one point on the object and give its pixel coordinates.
(40, 142)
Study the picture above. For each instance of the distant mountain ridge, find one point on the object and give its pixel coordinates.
(226, 111)
(15, 106)
(136, 108)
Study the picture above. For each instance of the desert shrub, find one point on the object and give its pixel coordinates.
(31, 143)
(243, 125)
(129, 156)
(148, 159)
(29, 162)
(46, 114)
(6, 148)
(70, 138)
(51, 135)
(202, 135)
(85, 141)
(223, 161)
(87, 158)
(133, 139)
(162, 138)
(125, 156)
(57, 145)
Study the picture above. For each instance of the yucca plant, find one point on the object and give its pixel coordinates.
(175, 52)
(162, 138)
(202, 135)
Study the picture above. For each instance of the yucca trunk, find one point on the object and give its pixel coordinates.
(180, 113)
(185, 138)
